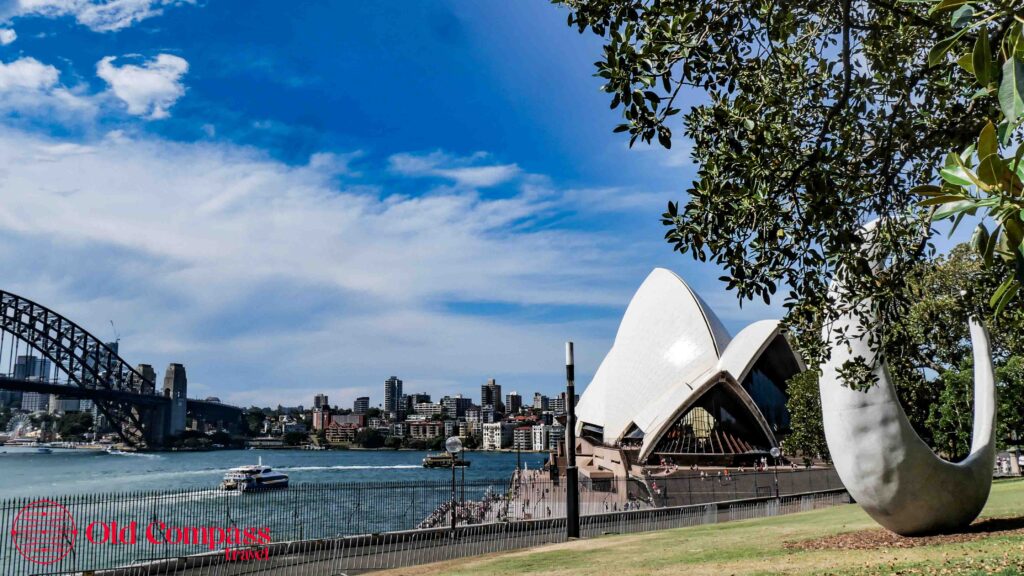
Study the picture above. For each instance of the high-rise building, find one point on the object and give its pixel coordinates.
(31, 368)
(513, 402)
(63, 404)
(392, 396)
(540, 402)
(411, 400)
(35, 402)
(320, 401)
(456, 406)
(490, 395)
(361, 405)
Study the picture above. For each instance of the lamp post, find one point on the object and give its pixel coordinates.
(775, 452)
(572, 497)
(453, 445)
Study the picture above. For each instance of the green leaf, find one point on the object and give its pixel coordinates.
(938, 52)
(961, 17)
(956, 175)
(1011, 90)
(979, 239)
(981, 58)
(987, 143)
(952, 208)
(991, 170)
(926, 190)
(1012, 286)
(939, 200)
(948, 5)
(967, 63)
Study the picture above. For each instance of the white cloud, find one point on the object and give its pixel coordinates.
(97, 15)
(27, 74)
(29, 86)
(213, 255)
(463, 171)
(150, 89)
(7, 35)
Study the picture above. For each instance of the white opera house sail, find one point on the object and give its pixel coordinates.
(676, 386)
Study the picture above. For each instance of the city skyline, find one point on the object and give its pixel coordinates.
(227, 213)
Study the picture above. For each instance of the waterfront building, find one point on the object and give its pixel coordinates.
(513, 402)
(320, 401)
(540, 402)
(456, 406)
(10, 399)
(393, 397)
(426, 430)
(409, 401)
(676, 386)
(497, 435)
(490, 395)
(361, 405)
(339, 433)
(357, 419)
(488, 414)
(399, 429)
(522, 438)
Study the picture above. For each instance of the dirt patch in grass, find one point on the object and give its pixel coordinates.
(881, 538)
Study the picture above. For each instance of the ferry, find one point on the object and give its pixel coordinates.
(253, 478)
(443, 460)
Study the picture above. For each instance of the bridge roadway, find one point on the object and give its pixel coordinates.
(199, 409)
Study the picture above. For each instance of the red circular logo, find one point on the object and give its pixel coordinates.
(44, 532)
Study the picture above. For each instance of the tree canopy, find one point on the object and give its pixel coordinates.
(809, 119)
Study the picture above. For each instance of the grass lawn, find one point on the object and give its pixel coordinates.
(757, 547)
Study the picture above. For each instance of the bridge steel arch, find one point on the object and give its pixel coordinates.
(88, 362)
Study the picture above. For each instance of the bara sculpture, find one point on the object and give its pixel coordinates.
(884, 464)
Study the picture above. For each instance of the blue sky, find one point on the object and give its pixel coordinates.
(305, 197)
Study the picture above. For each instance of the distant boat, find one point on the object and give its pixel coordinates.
(443, 460)
(254, 478)
(44, 451)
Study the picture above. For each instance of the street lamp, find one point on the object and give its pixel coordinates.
(775, 452)
(453, 445)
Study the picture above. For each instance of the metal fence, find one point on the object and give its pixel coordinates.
(330, 529)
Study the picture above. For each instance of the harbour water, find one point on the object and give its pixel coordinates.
(67, 472)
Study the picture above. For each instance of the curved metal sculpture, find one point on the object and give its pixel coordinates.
(884, 464)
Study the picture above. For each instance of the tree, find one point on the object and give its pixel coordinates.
(807, 438)
(373, 413)
(393, 442)
(295, 438)
(74, 425)
(928, 351)
(811, 118)
(369, 438)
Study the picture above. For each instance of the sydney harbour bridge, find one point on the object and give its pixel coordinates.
(80, 365)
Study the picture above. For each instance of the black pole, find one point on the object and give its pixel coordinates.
(572, 496)
(453, 494)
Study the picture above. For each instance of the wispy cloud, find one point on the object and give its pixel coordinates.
(218, 256)
(471, 171)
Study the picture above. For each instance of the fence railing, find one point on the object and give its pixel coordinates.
(340, 528)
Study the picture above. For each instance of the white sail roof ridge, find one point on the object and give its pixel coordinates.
(668, 337)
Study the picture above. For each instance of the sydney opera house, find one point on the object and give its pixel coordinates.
(677, 387)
